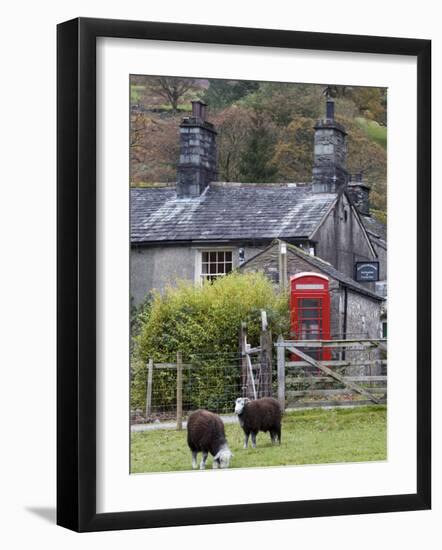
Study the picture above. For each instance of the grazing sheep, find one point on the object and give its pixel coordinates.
(261, 415)
(205, 433)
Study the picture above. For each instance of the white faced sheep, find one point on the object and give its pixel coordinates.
(205, 433)
(261, 415)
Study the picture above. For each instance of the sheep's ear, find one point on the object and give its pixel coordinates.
(246, 400)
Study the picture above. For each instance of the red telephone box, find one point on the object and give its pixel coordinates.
(310, 311)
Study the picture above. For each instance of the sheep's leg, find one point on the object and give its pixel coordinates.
(194, 460)
(203, 461)
(246, 440)
(273, 437)
(254, 440)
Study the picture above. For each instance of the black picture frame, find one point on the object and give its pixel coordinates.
(76, 272)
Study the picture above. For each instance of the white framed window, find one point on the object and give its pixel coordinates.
(213, 263)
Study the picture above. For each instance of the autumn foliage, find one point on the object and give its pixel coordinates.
(265, 130)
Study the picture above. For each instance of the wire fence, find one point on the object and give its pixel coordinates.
(209, 381)
(356, 371)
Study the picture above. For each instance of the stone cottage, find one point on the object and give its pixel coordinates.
(200, 228)
(354, 308)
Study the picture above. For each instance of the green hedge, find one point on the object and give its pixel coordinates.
(203, 323)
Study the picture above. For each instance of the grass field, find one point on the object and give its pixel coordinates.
(374, 130)
(308, 437)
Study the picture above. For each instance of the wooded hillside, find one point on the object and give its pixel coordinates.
(265, 130)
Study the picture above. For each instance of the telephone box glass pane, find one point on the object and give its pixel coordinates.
(309, 302)
(310, 330)
(310, 314)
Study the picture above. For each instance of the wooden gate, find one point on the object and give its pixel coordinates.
(367, 385)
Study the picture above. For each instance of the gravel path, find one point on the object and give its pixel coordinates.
(172, 425)
(228, 419)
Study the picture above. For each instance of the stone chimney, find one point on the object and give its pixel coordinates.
(329, 166)
(197, 164)
(359, 193)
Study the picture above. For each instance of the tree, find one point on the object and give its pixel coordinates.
(222, 93)
(283, 102)
(294, 151)
(256, 160)
(202, 322)
(371, 102)
(154, 148)
(367, 156)
(233, 125)
(170, 88)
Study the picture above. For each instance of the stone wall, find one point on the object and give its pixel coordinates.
(363, 320)
(330, 151)
(156, 267)
(197, 163)
(267, 262)
(341, 241)
(382, 257)
(363, 313)
(360, 195)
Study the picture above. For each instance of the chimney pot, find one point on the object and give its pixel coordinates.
(199, 109)
(330, 109)
(203, 111)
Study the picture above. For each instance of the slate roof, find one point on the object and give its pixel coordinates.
(324, 267)
(329, 270)
(227, 211)
(376, 230)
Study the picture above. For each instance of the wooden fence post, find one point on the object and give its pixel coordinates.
(179, 391)
(265, 387)
(244, 364)
(149, 388)
(282, 266)
(281, 372)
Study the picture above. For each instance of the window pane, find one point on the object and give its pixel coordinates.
(309, 313)
(310, 330)
(216, 263)
(309, 302)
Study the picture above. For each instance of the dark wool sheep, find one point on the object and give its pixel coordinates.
(205, 433)
(261, 415)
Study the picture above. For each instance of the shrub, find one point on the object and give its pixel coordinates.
(203, 323)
